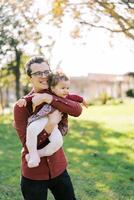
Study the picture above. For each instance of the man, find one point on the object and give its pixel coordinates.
(51, 172)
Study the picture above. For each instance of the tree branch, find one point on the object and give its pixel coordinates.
(125, 30)
(103, 27)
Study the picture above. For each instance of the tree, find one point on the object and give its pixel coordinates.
(17, 28)
(5, 85)
(130, 74)
(115, 16)
(19, 21)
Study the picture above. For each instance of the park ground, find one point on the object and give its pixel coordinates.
(100, 151)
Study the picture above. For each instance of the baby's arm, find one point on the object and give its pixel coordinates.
(78, 98)
(63, 105)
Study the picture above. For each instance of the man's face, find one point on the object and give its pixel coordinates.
(39, 79)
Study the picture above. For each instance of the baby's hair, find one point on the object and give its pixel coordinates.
(55, 77)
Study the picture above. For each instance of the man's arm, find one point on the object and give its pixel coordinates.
(53, 120)
(20, 122)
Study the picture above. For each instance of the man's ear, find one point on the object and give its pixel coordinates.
(29, 78)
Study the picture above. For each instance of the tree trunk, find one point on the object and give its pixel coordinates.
(1, 101)
(7, 97)
(17, 73)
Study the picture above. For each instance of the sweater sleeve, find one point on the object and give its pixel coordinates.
(64, 105)
(20, 122)
(68, 106)
(28, 98)
(75, 97)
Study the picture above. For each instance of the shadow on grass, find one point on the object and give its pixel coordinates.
(99, 164)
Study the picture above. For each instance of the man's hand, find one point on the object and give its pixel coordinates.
(55, 117)
(21, 103)
(53, 120)
(40, 98)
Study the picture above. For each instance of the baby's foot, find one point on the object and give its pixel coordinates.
(33, 161)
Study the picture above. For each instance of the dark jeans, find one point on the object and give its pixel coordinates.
(61, 188)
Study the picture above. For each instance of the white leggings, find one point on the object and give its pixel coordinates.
(55, 138)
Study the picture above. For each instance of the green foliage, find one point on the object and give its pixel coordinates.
(130, 93)
(106, 101)
(114, 101)
(99, 148)
(118, 14)
(104, 97)
(18, 28)
(18, 25)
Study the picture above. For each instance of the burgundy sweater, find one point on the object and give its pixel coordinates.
(51, 166)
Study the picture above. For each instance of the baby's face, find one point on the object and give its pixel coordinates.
(61, 89)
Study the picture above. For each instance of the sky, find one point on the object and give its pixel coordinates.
(96, 56)
(100, 53)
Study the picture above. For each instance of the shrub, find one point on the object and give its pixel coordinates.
(103, 97)
(114, 101)
(130, 93)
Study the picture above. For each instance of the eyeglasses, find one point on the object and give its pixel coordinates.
(41, 73)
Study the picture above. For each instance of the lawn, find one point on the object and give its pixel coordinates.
(100, 151)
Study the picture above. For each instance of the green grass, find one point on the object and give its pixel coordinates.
(100, 151)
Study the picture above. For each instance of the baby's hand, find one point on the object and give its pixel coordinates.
(84, 103)
(21, 102)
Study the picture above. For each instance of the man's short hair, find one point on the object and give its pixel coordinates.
(35, 59)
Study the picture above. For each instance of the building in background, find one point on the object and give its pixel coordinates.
(93, 85)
